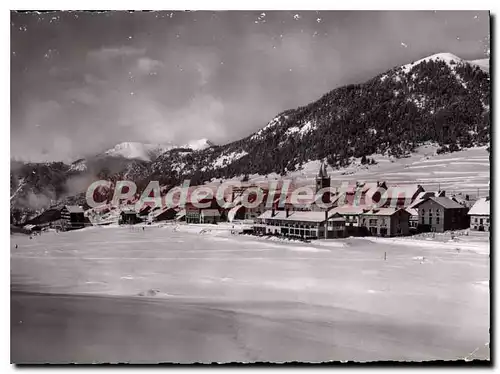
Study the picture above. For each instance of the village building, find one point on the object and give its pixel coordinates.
(386, 221)
(163, 214)
(72, 217)
(363, 193)
(210, 216)
(414, 211)
(49, 218)
(128, 216)
(192, 214)
(441, 214)
(244, 206)
(351, 213)
(146, 210)
(300, 224)
(402, 196)
(480, 215)
(464, 199)
(210, 213)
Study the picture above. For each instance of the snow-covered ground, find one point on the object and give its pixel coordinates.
(437, 291)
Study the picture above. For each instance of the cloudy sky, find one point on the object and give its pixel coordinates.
(83, 82)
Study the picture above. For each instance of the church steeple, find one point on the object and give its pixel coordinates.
(322, 171)
(322, 180)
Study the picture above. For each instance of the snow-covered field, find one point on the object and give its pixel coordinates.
(326, 300)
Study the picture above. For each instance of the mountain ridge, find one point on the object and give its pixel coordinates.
(440, 98)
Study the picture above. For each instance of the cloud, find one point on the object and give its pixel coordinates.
(107, 53)
(82, 95)
(147, 65)
(205, 73)
(202, 117)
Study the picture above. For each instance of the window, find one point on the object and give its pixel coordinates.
(487, 220)
(481, 221)
(430, 212)
(373, 222)
(430, 221)
(475, 219)
(438, 212)
(437, 220)
(423, 211)
(423, 220)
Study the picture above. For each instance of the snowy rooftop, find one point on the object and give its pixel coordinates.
(350, 209)
(382, 212)
(74, 209)
(158, 212)
(412, 211)
(443, 201)
(298, 216)
(481, 207)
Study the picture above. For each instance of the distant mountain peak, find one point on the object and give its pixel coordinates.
(149, 152)
(448, 58)
(198, 145)
(136, 150)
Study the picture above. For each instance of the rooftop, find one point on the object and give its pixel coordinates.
(383, 212)
(74, 209)
(299, 216)
(481, 207)
(443, 201)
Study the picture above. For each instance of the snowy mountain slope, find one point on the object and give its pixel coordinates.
(484, 64)
(79, 165)
(440, 98)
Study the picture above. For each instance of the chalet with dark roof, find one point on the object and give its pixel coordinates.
(440, 214)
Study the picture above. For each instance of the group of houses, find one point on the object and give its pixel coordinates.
(64, 218)
(405, 210)
(355, 211)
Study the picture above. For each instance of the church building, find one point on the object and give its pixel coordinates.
(323, 181)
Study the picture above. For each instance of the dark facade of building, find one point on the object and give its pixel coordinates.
(50, 217)
(386, 221)
(129, 217)
(440, 214)
(72, 217)
(210, 213)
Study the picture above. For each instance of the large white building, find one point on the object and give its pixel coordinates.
(307, 225)
(480, 215)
